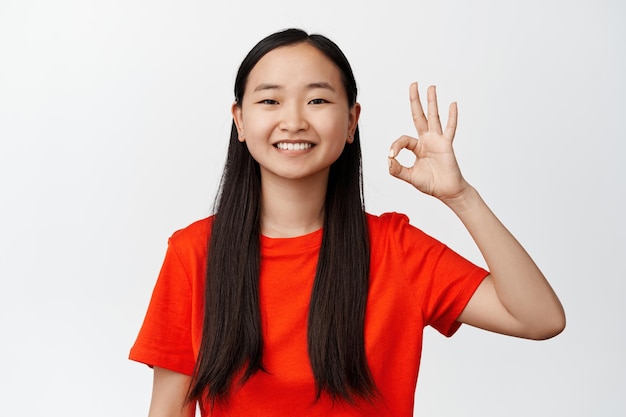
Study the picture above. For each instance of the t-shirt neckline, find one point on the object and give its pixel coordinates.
(307, 241)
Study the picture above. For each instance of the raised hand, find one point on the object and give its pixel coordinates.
(435, 171)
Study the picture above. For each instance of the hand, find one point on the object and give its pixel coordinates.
(435, 171)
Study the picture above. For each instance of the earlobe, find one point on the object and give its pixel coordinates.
(235, 110)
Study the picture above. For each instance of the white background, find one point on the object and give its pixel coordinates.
(114, 118)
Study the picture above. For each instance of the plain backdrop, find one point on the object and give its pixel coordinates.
(114, 118)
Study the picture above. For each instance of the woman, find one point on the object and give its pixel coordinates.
(291, 300)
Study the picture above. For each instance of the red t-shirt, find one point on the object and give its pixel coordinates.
(415, 281)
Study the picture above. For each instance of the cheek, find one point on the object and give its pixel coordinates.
(336, 127)
(256, 125)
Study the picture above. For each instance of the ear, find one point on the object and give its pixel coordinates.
(353, 121)
(235, 110)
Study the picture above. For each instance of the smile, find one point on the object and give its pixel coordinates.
(293, 146)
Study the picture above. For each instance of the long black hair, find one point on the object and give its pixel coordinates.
(231, 349)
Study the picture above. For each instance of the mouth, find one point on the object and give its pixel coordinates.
(293, 146)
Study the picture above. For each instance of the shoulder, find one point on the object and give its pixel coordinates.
(198, 228)
(386, 220)
(391, 223)
(194, 236)
(395, 230)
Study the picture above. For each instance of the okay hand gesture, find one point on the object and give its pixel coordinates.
(435, 171)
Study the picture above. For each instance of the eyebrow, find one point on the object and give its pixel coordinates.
(311, 86)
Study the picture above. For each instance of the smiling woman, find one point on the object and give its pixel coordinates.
(294, 116)
(290, 299)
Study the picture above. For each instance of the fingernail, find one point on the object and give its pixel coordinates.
(391, 154)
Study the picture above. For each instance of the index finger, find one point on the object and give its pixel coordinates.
(419, 120)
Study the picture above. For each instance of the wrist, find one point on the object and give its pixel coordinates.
(464, 200)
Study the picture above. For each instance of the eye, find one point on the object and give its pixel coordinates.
(268, 101)
(318, 101)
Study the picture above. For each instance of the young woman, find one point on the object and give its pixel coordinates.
(291, 300)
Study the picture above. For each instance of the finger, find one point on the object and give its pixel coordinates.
(453, 115)
(419, 120)
(434, 124)
(403, 142)
(399, 171)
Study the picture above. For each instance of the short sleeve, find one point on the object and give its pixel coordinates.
(444, 281)
(165, 338)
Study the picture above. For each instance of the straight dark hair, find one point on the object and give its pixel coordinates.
(231, 349)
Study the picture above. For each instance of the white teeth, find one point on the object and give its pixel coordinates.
(293, 146)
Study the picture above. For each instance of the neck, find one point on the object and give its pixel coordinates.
(292, 208)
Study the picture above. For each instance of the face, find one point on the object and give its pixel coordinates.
(294, 116)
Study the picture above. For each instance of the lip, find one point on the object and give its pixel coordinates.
(292, 141)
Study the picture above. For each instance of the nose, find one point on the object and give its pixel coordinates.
(293, 118)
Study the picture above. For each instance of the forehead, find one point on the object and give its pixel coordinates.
(293, 66)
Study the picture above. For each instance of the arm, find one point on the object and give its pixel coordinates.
(515, 299)
(169, 391)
